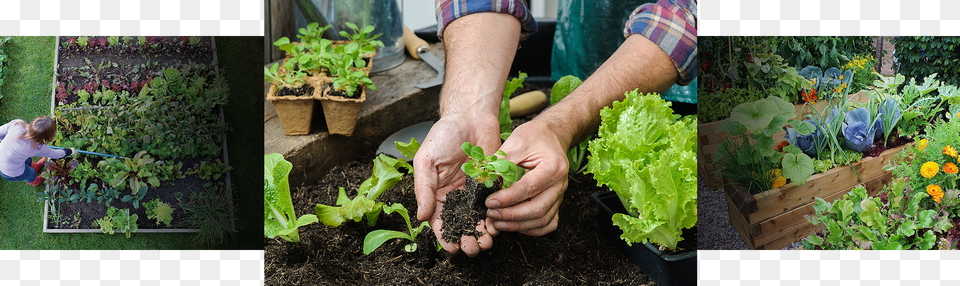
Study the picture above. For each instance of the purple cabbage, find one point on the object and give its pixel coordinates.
(859, 130)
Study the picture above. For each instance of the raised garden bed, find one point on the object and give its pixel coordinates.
(708, 141)
(124, 95)
(774, 219)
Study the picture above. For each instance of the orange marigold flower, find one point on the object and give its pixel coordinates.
(929, 169)
(936, 192)
(950, 168)
(922, 144)
(950, 151)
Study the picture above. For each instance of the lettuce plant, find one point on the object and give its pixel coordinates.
(376, 238)
(504, 115)
(279, 217)
(386, 174)
(486, 169)
(577, 155)
(859, 129)
(648, 157)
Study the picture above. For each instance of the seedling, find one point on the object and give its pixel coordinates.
(486, 169)
(279, 217)
(283, 78)
(362, 37)
(375, 238)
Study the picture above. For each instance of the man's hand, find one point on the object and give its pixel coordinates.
(530, 206)
(437, 171)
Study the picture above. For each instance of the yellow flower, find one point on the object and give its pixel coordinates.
(929, 169)
(922, 144)
(950, 151)
(936, 192)
(841, 77)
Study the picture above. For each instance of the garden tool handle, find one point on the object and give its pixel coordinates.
(415, 45)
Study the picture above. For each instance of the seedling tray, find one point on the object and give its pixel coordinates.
(226, 163)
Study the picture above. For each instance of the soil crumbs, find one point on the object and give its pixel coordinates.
(573, 254)
(462, 210)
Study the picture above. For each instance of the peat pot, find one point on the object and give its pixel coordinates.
(667, 269)
(296, 112)
(342, 113)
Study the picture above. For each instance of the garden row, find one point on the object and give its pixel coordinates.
(162, 120)
(134, 46)
(782, 163)
(317, 69)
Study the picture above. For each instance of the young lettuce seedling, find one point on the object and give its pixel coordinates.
(376, 238)
(385, 175)
(486, 169)
(279, 218)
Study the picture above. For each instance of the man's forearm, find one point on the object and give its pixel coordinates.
(638, 63)
(479, 50)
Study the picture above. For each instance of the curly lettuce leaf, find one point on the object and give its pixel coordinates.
(649, 158)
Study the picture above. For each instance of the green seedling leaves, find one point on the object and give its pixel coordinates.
(279, 217)
(385, 175)
(486, 169)
(376, 238)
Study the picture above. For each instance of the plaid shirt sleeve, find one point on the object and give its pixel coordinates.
(449, 10)
(672, 25)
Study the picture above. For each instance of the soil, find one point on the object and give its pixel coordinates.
(135, 63)
(341, 93)
(462, 210)
(573, 254)
(302, 90)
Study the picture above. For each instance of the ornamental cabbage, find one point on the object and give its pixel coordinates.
(859, 130)
(648, 157)
(806, 143)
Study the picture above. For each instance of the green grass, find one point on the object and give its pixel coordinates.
(27, 94)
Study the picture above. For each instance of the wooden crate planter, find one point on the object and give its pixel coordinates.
(708, 141)
(774, 219)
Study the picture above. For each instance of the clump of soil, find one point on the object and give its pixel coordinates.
(464, 209)
(343, 93)
(302, 90)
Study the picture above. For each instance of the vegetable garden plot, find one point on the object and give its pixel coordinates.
(157, 101)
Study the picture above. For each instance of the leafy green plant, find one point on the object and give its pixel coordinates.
(376, 238)
(758, 121)
(283, 78)
(117, 220)
(135, 197)
(106, 195)
(279, 217)
(312, 33)
(362, 37)
(385, 175)
(350, 82)
(894, 221)
(504, 115)
(105, 223)
(136, 172)
(577, 155)
(486, 169)
(863, 71)
(647, 156)
(208, 170)
(159, 211)
(207, 212)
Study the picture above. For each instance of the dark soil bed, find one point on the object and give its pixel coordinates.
(573, 254)
(135, 66)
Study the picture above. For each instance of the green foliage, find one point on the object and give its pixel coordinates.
(907, 163)
(504, 115)
(159, 211)
(408, 150)
(563, 87)
(486, 169)
(863, 71)
(117, 220)
(823, 51)
(135, 197)
(3, 61)
(376, 238)
(362, 37)
(208, 212)
(136, 172)
(648, 156)
(758, 121)
(209, 170)
(717, 106)
(284, 77)
(858, 221)
(279, 217)
(386, 174)
(918, 57)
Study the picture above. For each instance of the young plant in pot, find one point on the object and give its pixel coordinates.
(647, 155)
(465, 207)
(341, 104)
(291, 97)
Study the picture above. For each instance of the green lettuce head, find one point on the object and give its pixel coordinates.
(647, 155)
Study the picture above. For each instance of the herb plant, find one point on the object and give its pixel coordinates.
(647, 156)
(375, 238)
(279, 217)
(486, 169)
